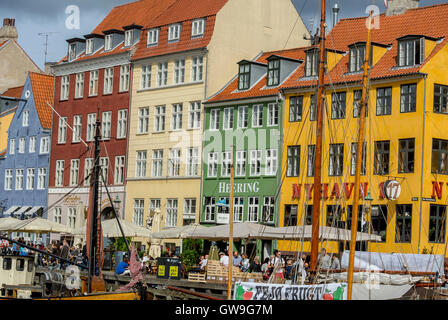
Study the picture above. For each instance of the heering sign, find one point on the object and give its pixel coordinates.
(252, 187)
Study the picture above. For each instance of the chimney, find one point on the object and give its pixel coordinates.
(335, 14)
(396, 7)
(8, 31)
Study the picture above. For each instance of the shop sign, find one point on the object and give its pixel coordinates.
(335, 191)
(72, 200)
(268, 291)
(392, 189)
(240, 188)
(222, 218)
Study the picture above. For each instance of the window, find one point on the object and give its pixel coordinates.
(224, 209)
(273, 72)
(139, 211)
(313, 108)
(308, 221)
(268, 210)
(336, 163)
(290, 215)
(25, 118)
(192, 162)
(244, 76)
(357, 57)
(104, 164)
(295, 108)
(197, 29)
(12, 146)
(439, 163)
(159, 119)
(240, 164)
(79, 87)
(174, 163)
(334, 216)
(440, 99)
(228, 119)
(71, 51)
(143, 120)
(381, 160)
(32, 148)
(162, 74)
(209, 203)
(408, 101)
(153, 37)
(189, 209)
(44, 145)
(174, 32)
(7, 263)
(65, 81)
(20, 264)
(354, 153)
(383, 101)
(312, 63)
(154, 205)
(255, 163)
(179, 71)
(243, 117)
(77, 127)
(146, 76)
(8, 179)
(30, 172)
(293, 161)
(93, 83)
(141, 164)
(62, 131)
(378, 224)
(238, 209)
(119, 170)
(21, 145)
(88, 166)
(89, 46)
(272, 114)
(357, 96)
(57, 217)
(257, 116)
(226, 164)
(91, 123)
(310, 161)
(176, 117)
(411, 52)
(59, 177)
(437, 223)
(253, 209)
(108, 42)
(122, 124)
(157, 163)
(108, 80)
(74, 172)
(214, 119)
(212, 164)
(197, 69)
(171, 213)
(361, 225)
(124, 78)
(271, 162)
(406, 155)
(41, 178)
(403, 225)
(338, 104)
(128, 38)
(106, 125)
(194, 119)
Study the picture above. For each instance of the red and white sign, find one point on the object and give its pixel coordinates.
(392, 189)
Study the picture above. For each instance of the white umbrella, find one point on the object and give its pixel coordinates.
(177, 233)
(36, 225)
(6, 222)
(112, 230)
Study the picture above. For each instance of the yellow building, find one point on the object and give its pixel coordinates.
(8, 105)
(406, 142)
(190, 54)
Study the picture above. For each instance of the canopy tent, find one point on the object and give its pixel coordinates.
(177, 233)
(111, 229)
(7, 222)
(36, 225)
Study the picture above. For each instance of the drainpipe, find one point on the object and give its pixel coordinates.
(422, 165)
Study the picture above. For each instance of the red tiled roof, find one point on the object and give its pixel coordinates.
(13, 92)
(43, 88)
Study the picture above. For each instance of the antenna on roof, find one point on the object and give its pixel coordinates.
(46, 34)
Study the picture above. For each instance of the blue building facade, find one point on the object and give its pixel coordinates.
(24, 171)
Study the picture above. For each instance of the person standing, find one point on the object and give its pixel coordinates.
(278, 265)
(223, 259)
(256, 265)
(204, 261)
(237, 259)
(324, 260)
(245, 263)
(336, 265)
(65, 251)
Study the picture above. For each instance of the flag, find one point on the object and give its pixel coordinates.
(386, 3)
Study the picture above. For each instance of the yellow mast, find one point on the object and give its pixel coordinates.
(362, 120)
(229, 283)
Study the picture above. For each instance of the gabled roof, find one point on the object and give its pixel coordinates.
(13, 92)
(43, 89)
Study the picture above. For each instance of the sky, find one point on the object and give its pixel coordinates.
(36, 17)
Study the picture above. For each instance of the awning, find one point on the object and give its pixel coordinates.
(32, 211)
(10, 210)
(21, 210)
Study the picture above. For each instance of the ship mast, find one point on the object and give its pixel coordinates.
(359, 156)
(318, 153)
(229, 283)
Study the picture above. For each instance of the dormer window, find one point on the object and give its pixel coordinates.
(273, 72)
(108, 42)
(72, 51)
(89, 46)
(128, 38)
(357, 56)
(411, 51)
(312, 63)
(244, 77)
(197, 28)
(174, 32)
(153, 37)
